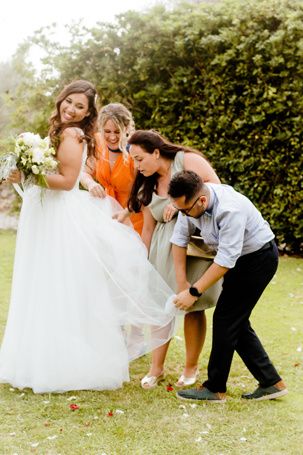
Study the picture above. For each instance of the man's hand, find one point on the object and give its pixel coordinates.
(184, 300)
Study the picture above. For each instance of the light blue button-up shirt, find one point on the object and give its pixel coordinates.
(232, 226)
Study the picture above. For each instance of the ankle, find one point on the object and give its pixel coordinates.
(155, 370)
(190, 370)
(280, 385)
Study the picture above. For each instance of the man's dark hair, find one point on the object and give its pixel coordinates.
(185, 183)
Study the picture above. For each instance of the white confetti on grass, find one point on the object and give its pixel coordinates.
(299, 349)
(51, 438)
(243, 439)
(34, 444)
(45, 401)
(119, 411)
(71, 398)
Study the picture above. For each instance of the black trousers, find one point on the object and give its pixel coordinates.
(242, 287)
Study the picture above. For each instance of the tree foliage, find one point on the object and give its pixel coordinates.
(225, 77)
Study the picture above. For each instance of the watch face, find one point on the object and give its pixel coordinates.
(194, 292)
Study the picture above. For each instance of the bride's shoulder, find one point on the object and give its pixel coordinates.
(72, 132)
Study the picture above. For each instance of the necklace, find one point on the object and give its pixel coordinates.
(115, 150)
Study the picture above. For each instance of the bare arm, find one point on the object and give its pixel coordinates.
(184, 300)
(88, 179)
(198, 164)
(211, 276)
(70, 159)
(149, 225)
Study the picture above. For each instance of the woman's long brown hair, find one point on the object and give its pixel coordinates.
(88, 125)
(143, 187)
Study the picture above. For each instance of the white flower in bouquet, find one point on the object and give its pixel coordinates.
(35, 170)
(38, 155)
(33, 156)
(29, 140)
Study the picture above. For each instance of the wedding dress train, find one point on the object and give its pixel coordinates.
(85, 300)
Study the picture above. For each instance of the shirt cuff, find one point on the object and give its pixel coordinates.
(179, 240)
(225, 261)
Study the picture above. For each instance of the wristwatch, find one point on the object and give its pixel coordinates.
(194, 292)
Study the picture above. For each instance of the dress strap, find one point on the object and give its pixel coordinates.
(178, 163)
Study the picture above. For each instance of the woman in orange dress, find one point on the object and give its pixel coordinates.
(112, 172)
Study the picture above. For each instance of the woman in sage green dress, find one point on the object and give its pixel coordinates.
(157, 160)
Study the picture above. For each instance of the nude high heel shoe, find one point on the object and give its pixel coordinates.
(149, 382)
(184, 381)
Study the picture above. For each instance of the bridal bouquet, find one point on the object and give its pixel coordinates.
(33, 156)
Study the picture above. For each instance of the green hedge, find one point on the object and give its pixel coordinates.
(224, 77)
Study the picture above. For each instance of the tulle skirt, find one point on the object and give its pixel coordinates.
(85, 300)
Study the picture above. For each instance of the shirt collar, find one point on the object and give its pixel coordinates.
(211, 201)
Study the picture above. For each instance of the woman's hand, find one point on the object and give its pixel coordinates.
(96, 190)
(169, 212)
(121, 216)
(15, 176)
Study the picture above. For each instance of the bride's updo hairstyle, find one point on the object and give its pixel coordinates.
(88, 125)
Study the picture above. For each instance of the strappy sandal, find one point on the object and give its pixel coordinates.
(149, 382)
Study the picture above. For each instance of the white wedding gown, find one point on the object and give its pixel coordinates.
(85, 300)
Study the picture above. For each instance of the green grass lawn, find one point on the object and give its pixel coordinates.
(155, 422)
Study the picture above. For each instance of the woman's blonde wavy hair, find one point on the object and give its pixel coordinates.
(124, 121)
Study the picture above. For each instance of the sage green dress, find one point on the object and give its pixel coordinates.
(160, 254)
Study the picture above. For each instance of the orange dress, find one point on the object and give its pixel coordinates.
(117, 181)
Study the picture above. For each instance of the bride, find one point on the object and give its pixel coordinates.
(85, 300)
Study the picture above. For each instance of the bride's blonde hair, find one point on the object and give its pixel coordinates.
(124, 121)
